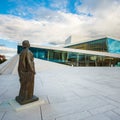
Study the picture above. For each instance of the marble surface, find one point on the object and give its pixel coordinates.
(69, 93)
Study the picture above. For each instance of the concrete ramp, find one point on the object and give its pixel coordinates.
(11, 65)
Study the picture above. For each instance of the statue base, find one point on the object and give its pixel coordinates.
(23, 102)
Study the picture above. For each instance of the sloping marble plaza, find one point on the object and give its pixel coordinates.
(69, 93)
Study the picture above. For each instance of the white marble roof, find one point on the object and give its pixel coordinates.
(69, 93)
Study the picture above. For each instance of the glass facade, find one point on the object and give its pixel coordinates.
(96, 45)
(104, 45)
(47, 54)
(72, 58)
(113, 45)
(37, 52)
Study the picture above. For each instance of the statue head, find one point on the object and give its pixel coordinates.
(25, 44)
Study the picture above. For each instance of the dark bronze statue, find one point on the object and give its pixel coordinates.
(26, 71)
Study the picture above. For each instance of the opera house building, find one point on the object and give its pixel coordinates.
(99, 52)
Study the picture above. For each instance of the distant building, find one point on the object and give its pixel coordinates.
(99, 52)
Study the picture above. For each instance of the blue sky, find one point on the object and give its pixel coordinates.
(11, 44)
(24, 9)
(52, 21)
(15, 6)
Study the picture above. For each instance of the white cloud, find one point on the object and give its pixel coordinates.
(59, 4)
(105, 16)
(95, 7)
(8, 52)
(41, 31)
(55, 26)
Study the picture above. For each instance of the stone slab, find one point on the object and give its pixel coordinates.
(102, 109)
(17, 107)
(75, 116)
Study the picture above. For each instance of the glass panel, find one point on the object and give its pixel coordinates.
(95, 45)
(113, 45)
(82, 60)
(42, 54)
(19, 49)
